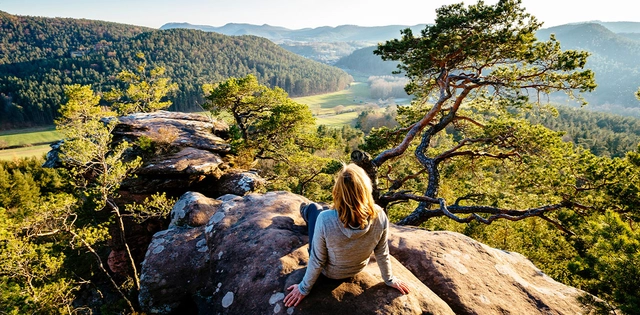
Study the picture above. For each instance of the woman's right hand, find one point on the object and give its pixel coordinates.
(294, 297)
(402, 286)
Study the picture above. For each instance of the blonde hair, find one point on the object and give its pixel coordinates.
(352, 197)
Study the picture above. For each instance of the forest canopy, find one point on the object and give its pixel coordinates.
(39, 55)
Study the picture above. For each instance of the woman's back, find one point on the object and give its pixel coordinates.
(342, 240)
(348, 249)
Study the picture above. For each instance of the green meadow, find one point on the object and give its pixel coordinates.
(29, 151)
(34, 141)
(28, 136)
(337, 120)
(356, 94)
(338, 108)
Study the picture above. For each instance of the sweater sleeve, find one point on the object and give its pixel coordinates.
(317, 258)
(381, 251)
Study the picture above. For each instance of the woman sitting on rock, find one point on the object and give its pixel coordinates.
(342, 240)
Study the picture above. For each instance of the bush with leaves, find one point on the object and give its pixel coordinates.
(275, 134)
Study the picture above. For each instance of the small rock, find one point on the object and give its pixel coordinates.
(276, 298)
(227, 300)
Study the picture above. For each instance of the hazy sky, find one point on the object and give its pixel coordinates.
(297, 14)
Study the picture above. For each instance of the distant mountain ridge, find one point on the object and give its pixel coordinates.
(372, 34)
(619, 27)
(615, 59)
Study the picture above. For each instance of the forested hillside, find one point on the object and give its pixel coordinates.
(363, 61)
(42, 54)
(602, 133)
(614, 59)
(26, 39)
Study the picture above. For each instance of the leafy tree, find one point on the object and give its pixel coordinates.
(266, 118)
(34, 206)
(608, 264)
(275, 133)
(145, 92)
(474, 63)
(97, 166)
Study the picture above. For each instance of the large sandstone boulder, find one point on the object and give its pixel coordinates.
(194, 156)
(237, 255)
(474, 278)
(245, 256)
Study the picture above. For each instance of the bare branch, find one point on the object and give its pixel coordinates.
(404, 196)
(445, 94)
(511, 215)
(101, 266)
(467, 197)
(469, 119)
(41, 234)
(402, 130)
(557, 225)
(480, 154)
(474, 211)
(116, 210)
(399, 182)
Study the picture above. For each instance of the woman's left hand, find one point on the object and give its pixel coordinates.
(294, 297)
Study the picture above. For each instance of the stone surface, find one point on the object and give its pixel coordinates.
(138, 237)
(253, 247)
(237, 183)
(194, 156)
(188, 161)
(174, 267)
(191, 130)
(474, 278)
(250, 250)
(193, 209)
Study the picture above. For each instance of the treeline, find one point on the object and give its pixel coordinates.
(364, 62)
(384, 87)
(605, 135)
(602, 133)
(93, 52)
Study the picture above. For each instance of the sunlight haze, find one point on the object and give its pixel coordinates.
(295, 14)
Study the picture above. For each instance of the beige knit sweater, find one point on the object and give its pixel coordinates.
(340, 252)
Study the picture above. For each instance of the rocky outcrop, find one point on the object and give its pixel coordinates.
(186, 152)
(474, 278)
(237, 255)
(191, 154)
